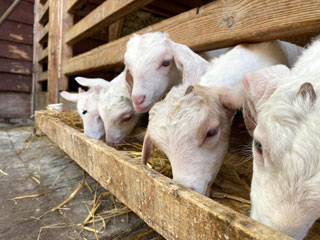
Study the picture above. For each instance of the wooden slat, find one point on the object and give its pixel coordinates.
(74, 5)
(23, 13)
(43, 77)
(15, 82)
(44, 13)
(65, 51)
(172, 210)
(107, 13)
(53, 46)
(43, 55)
(43, 36)
(217, 24)
(115, 30)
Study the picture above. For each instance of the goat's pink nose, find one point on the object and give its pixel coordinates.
(138, 100)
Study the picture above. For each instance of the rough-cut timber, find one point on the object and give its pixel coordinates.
(43, 35)
(43, 55)
(107, 13)
(53, 45)
(172, 210)
(73, 5)
(215, 25)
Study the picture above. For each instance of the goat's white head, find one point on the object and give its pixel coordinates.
(154, 64)
(117, 112)
(284, 118)
(192, 126)
(87, 105)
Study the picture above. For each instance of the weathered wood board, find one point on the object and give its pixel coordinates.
(172, 210)
(215, 25)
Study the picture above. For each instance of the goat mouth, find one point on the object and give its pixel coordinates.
(142, 109)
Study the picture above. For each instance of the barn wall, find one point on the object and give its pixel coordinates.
(16, 41)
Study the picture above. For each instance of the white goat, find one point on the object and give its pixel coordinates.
(192, 124)
(283, 108)
(87, 106)
(116, 111)
(154, 64)
(106, 108)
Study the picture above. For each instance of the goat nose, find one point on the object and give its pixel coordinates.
(138, 100)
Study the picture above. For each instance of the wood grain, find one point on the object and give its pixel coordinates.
(105, 14)
(172, 210)
(74, 5)
(217, 24)
(43, 35)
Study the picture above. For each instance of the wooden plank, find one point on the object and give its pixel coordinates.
(115, 30)
(15, 66)
(9, 11)
(37, 50)
(43, 55)
(43, 77)
(15, 105)
(44, 13)
(15, 82)
(74, 5)
(65, 51)
(54, 51)
(16, 32)
(217, 24)
(107, 13)
(43, 36)
(172, 210)
(14, 50)
(23, 13)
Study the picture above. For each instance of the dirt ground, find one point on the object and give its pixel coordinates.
(36, 177)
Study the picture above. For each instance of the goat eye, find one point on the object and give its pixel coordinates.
(84, 112)
(126, 119)
(166, 63)
(212, 132)
(258, 146)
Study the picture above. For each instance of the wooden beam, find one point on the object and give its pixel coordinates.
(53, 46)
(43, 55)
(44, 13)
(115, 30)
(9, 11)
(37, 49)
(74, 5)
(107, 13)
(171, 209)
(216, 25)
(65, 51)
(44, 34)
(43, 77)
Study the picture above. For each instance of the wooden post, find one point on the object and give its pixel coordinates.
(37, 50)
(115, 30)
(65, 51)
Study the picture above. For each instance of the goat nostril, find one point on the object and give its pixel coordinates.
(138, 100)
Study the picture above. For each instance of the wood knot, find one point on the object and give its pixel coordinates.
(229, 21)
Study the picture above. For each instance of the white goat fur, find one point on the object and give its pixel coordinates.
(285, 191)
(115, 107)
(87, 106)
(148, 77)
(178, 125)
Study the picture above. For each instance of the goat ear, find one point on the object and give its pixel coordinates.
(231, 99)
(307, 91)
(72, 97)
(259, 86)
(146, 149)
(80, 90)
(129, 80)
(92, 82)
(191, 64)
